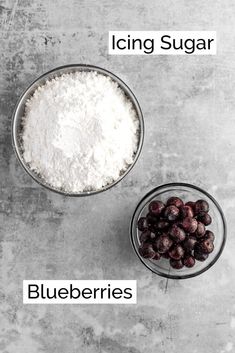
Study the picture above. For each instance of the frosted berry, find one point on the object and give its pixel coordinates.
(205, 218)
(163, 243)
(147, 251)
(201, 206)
(186, 211)
(201, 230)
(162, 224)
(200, 256)
(210, 235)
(145, 236)
(176, 252)
(151, 219)
(171, 213)
(142, 224)
(157, 256)
(176, 233)
(175, 201)
(189, 261)
(206, 246)
(191, 204)
(156, 207)
(177, 264)
(189, 224)
(189, 243)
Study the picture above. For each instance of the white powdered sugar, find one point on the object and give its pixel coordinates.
(80, 132)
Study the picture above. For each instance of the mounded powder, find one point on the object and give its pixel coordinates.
(80, 131)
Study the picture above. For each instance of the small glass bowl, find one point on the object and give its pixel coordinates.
(186, 192)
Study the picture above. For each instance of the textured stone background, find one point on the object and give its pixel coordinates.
(189, 108)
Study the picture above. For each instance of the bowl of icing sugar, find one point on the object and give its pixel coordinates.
(78, 130)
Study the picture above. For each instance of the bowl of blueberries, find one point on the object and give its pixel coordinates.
(178, 230)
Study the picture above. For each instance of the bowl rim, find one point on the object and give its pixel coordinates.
(179, 184)
(76, 67)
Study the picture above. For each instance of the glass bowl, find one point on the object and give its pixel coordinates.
(186, 192)
(19, 113)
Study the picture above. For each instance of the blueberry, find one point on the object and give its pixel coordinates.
(176, 252)
(176, 233)
(209, 235)
(205, 218)
(147, 251)
(201, 206)
(178, 223)
(142, 224)
(157, 256)
(175, 201)
(201, 230)
(171, 213)
(206, 246)
(156, 207)
(200, 256)
(166, 255)
(163, 243)
(191, 204)
(145, 236)
(189, 261)
(177, 264)
(151, 221)
(162, 224)
(189, 224)
(189, 243)
(186, 211)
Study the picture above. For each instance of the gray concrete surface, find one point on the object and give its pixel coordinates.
(189, 109)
